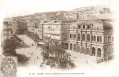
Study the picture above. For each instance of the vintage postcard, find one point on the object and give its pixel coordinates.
(59, 38)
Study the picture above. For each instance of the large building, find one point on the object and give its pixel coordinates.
(21, 26)
(7, 29)
(14, 25)
(31, 26)
(40, 30)
(92, 37)
(56, 31)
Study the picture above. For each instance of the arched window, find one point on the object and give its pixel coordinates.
(99, 52)
(109, 38)
(70, 46)
(98, 38)
(79, 36)
(88, 27)
(93, 51)
(94, 38)
(83, 37)
(83, 26)
(88, 37)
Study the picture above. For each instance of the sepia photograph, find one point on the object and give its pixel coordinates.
(59, 38)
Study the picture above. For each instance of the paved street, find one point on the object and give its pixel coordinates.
(32, 52)
(78, 59)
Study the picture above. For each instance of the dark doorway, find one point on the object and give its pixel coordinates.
(93, 51)
(99, 52)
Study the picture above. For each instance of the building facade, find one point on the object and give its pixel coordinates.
(21, 26)
(56, 31)
(31, 26)
(92, 37)
(14, 25)
(40, 30)
(7, 30)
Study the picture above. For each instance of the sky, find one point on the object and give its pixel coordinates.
(10, 8)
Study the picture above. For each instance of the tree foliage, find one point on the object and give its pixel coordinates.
(9, 46)
(55, 54)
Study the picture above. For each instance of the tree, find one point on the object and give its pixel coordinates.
(9, 46)
(55, 53)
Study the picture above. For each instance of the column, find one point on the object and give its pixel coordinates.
(96, 52)
(102, 53)
(103, 38)
(72, 47)
(90, 50)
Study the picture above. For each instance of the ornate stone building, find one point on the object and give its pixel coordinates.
(92, 37)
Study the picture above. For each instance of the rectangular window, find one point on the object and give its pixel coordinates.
(74, 35)
(79, 26)
(70, 36)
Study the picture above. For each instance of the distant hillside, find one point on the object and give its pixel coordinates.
(36, 16)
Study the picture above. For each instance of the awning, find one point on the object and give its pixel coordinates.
(41, 43)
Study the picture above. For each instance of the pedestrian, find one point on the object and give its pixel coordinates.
(86, 62)
(32, 53)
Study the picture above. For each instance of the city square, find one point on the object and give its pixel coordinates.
(61, 42)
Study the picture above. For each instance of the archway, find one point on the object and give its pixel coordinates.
(94, 38)
(71, 46)
(93, 51)
(99, 52)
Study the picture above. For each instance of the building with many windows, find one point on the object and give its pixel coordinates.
(40, 30)
(7, 29)
(56, 31)
(21, 26)
(31, 26)
(92, 37)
